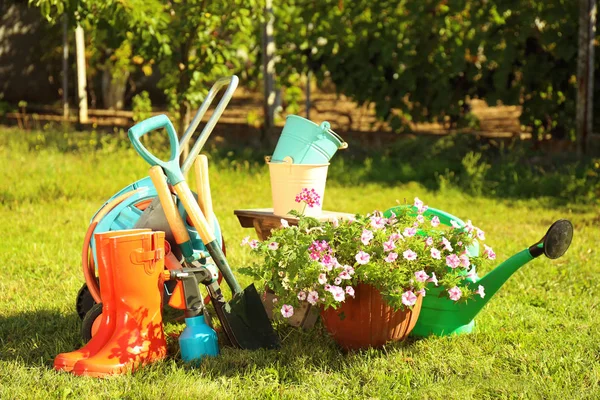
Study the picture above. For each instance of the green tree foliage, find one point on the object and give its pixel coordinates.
(420, 60)
(193, 42)
(207, 40)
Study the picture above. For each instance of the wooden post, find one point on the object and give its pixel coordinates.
(268, 60)
(308, 76)
(585, 73)
(81, 75)
(65, 68)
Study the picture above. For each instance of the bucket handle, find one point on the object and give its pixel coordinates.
(327, 127)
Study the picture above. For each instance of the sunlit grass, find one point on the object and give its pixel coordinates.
(537, 339)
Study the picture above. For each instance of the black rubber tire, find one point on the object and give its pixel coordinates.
(84, 301)
(88, 321)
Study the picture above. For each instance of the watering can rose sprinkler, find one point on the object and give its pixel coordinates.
(444, 316)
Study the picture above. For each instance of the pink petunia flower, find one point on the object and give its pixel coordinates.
(435, 253)
(472, 274)
(312, 297)
(469, 226)
(429, 241)
(418, 203)
(422, 292)
(253, 243)
(338, 293)
(455, 293)
(409, 255)
(246, 240)
(335, 222)
(349, 269)
(322, 279)
(350, 291)
(480, 234)
(433, 279)
(302, 295)
(435, 221)
(337, 280)
(452, 261)
(480, 291)
(409, 298)
(420, 219)
(410, 232)
(447, 245)
(391, 257)
(395, 236)
(366, 236)
(377, 222)
(284, 223)
(273, 246)
(344, 275)
(464, 260)
(362, 258)
(421, 276)
(392, 219)
(287, 311)
(389, 245)
(488, 252)
(454, 224)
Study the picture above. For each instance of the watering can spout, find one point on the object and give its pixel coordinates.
(553, 245)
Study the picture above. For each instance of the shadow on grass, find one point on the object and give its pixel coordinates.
(301, 352)
(36, 337)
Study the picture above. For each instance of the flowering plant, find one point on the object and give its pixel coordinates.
(322, 262)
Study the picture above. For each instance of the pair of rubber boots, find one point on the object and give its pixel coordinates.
(130, 334)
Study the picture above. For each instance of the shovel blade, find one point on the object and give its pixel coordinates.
(244, 320)
(248, 321)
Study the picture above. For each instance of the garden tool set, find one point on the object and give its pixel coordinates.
(136, 206)
(122, 308)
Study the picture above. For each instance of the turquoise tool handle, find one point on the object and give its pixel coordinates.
(171, 167)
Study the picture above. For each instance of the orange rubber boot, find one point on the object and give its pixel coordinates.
(137, 264)
(66, 361)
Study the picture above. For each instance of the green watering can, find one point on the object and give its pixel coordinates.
(441, 316)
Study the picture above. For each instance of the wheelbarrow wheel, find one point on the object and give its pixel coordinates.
(91, 321)
(84, 301)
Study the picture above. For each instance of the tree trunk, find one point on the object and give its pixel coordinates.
(113, 88)
(585, 73)
(268, 53)
(65, 68)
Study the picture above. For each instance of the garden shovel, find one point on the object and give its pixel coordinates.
(244, 314)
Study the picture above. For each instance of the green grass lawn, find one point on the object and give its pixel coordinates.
(538, 338)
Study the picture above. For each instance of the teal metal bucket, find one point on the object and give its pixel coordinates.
(306, 142)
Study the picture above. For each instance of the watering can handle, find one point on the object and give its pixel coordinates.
(232, 82)
(171, 166)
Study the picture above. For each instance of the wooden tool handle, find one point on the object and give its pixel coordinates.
(203, 187)
(189, 203)
(166, 200)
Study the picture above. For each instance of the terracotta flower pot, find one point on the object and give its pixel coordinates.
(367, 321)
